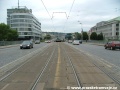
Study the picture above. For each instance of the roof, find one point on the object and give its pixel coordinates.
(115, 19)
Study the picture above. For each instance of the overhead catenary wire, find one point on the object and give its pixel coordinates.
(46, 8)
(71, 8)
(68, 14)
(48, 13)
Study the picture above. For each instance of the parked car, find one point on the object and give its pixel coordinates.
(76, 42)
(37, 42)
(112, 45)
(26, 44)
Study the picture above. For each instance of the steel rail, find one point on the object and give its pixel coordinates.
(73, 68)
(113, 78)
(10, 73)
(41, 73)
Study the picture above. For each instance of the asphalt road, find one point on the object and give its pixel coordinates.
(59, 67)
(111, 56)
(10, 54)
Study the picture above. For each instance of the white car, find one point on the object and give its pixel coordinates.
(70, 41)
(76, 42)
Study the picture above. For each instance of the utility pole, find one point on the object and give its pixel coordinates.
(81, 30)
(18, 4)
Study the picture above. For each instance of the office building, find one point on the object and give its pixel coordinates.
(21, 19)
(110, 28)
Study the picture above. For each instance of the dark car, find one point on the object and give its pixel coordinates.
(58, 40)
(26, 44)
(80, 41)
(112, 45)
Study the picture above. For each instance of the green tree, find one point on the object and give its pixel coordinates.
(85, 36)
(93, 36)
(77, 36)
(4, 29)
(12, 35)
(100, 36)
(48, 37)
(6, 33)
(68, 36)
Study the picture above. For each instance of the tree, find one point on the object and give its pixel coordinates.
(93, 36)
(68, 36)
(48, 37)
(12, 35)
(100, 36)
(6, 33)
(85, 36)
(77, 36)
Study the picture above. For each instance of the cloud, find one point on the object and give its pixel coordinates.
(88, 12)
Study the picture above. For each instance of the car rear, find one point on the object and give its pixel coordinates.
(76, 42)
(116, 45)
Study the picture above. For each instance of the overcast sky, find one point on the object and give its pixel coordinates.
(63, 15)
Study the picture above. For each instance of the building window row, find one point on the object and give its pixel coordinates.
(21, 20)
(21, 25)
(21, 16)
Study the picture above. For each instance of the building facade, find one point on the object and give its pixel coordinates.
(22, 20)
(110, 28)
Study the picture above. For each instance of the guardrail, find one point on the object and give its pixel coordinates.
(5, 43)
(96, 41)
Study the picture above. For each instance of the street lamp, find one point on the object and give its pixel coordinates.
(81, 30)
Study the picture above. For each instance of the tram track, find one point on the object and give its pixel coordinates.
(58, 67)
(101, 68)
(25, 69)
(41, 73)
(73, 68)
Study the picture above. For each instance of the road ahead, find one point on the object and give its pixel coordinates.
(59, 67)
(11, 54)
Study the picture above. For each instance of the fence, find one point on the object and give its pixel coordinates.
(4, 43)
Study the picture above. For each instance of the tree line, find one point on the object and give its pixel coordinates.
(84, 36)
(7, 34)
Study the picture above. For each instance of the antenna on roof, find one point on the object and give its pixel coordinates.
(18, 4)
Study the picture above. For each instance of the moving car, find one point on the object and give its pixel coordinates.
(26, 44)
(80, 41)
(112, 45)
(70, 41)
(47, 41)
(76, 42)
(37, 42)
(58, 40)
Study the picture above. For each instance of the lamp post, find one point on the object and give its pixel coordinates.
(81, 30)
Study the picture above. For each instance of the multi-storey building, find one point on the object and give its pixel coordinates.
(110, 28)
(21, 19)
